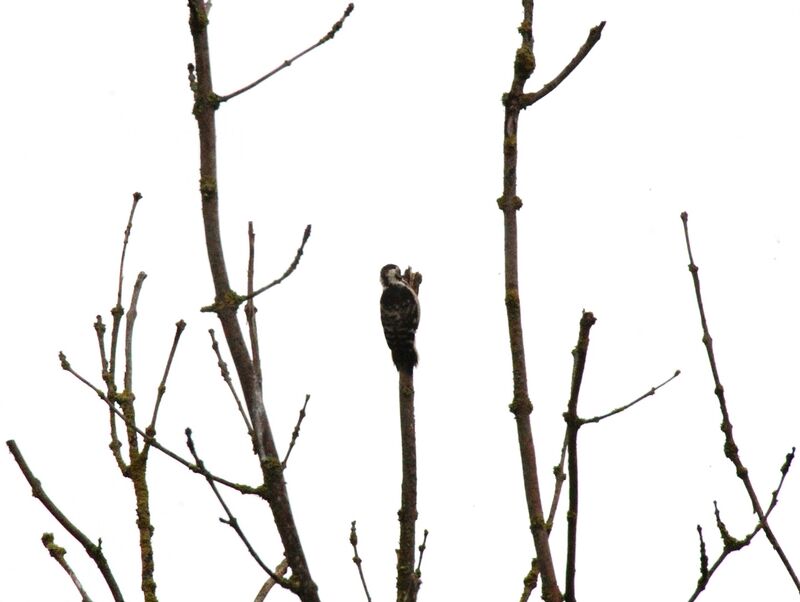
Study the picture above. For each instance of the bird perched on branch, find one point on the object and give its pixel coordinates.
(400, 317)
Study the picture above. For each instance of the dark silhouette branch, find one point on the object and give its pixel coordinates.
(232, 522)
(95, 552)
(296, 431)
(573, 424)
(58, 554)
(357, 559)
(730, 448)
(287, 63)
(226, 302)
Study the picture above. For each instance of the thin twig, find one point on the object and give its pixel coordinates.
(244, 489)
(357, 559)
(232, 522)
(328, 36)
(136, 198)
(94, 552)
(730, 448)
(592, 39)
(422, 547)
(115, 446)
(117, 311)
(560, 476)
(292, 267)
(703, 557)
(280, 570)
(579, 354)
(250, 309)
(296, 431)
(59, 553)
(100, 330)
(130, 320)
(226, 376)
(530, 581)
(731, 544)
(162, 387)
(652, 391)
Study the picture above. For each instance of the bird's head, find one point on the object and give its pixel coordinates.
(390, 274)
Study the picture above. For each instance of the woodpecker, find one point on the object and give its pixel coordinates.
(400, 318)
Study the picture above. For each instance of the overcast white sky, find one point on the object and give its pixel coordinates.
(388, 141)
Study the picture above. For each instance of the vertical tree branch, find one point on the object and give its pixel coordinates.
(407, 584)
(573, 424)
(514, 101)
(206, 103)
(136, 470)
(521, 406)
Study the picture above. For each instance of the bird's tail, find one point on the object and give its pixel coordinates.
(405, 358)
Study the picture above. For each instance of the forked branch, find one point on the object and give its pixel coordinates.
(514, 101)
(226, 302)
(94, 551)
(731, 450)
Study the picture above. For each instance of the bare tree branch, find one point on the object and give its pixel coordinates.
(280, 570)
(95, 552)
(296, 431)
(615, 411)
(407, 515)
(731, 544)
(591, 40)
(514, 101)
(730, 447)
(422, 547)
(226, 302)
(287, 63)
(117, 311)
(357, 559)
(162, 387)
(59, 553)
(250, 309)
(244, 489)
(226, 376)
(292, 267)
(573, 424)
(233, 523)
(136, 198)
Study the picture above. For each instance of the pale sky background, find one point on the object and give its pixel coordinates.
(388, 141)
